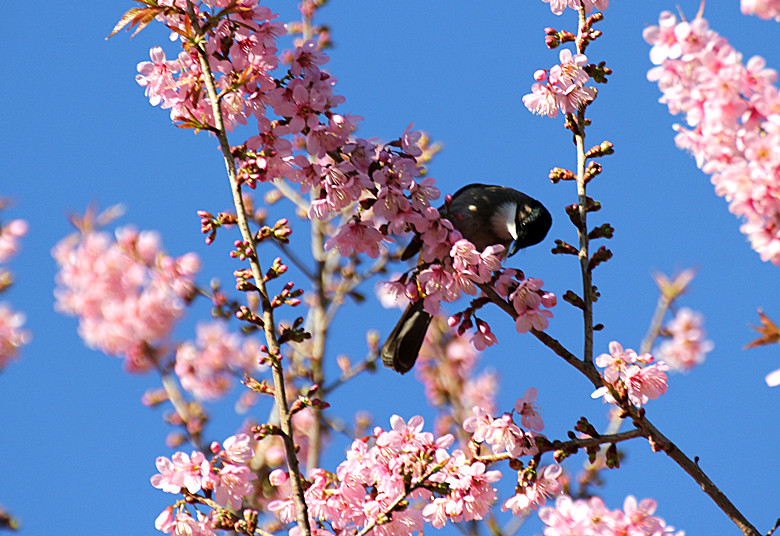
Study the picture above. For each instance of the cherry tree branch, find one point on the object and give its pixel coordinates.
(269, 325)
(582, 206)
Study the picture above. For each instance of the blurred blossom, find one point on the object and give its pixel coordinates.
(558, 6)
(586, 517)
(12, 337)
(765, 9)
(126, 291)
(392, 294)
(687, 345)
(208, 367)
(10, 233)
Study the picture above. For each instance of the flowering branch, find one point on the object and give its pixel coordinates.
(570, 446)
(269, 324)
(582, 205)
(625, 383)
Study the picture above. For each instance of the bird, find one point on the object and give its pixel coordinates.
(485, 215)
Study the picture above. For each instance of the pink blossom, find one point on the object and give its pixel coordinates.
(730, 112)
(646, 383)
(501, 434)
(483, 337)
(12, 337)
(479, 425)
(423, 192)
(356, 237)
(686, 346)
(10, 233)
(232, 485)
(127, 292)
(581, 517)
(392, 294)
(410, 140)
(532, 495)
(182, 524)
(527, 301)
(765, 9)
(636, 376)
(181, 471)
(238, 449)
(563, 87)
(436, 283)
(530, 417)
(157, 77)
(542, 100)
(558, 6)
(207, 368)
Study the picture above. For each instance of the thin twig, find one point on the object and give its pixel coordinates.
(582, 202)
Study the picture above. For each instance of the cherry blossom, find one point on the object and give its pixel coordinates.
(558, 6)
(637, 377)
(530, 417)
(208, 367)
(686, 346)
(732, 113)
(126, 292)
(765, 9)
(181, 471)
(561, 88)
(12, 337)
(532, 495)
(585, 517)
(10, 234)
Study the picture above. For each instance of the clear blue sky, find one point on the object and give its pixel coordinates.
(77, 445)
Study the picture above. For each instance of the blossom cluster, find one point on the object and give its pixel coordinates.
(126, 291)
(378, 190)
(207, 367)
(226, 477)
(686, 345)
(765, 9)
(732, 111)
(504, 436)
(12, 336)
(558, 6)
(561, 87)
(376, 482)
(627, 374)
(591, 517)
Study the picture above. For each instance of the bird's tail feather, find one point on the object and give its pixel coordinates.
(402, 346)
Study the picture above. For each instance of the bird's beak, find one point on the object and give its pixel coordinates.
(513, 248)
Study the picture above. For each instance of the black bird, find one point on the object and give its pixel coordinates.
(485, 215)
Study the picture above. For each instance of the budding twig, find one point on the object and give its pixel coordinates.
(269, 324)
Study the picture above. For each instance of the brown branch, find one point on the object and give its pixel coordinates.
(582, 202)
(571, 445)
(689, 466)
(280, 394)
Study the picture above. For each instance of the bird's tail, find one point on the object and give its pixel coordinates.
(402, 346)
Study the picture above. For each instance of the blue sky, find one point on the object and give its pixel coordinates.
(78, 446)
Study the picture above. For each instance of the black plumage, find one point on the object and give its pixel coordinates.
(485, 215)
